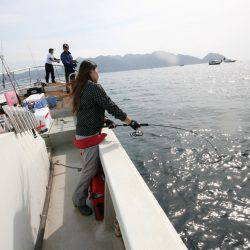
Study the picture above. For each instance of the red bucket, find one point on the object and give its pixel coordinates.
(97, 189)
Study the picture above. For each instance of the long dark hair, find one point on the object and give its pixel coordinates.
(78, 84)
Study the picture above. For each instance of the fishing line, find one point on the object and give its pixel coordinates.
(140, 133)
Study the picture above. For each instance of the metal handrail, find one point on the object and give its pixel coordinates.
(30, 78)
(33, 67)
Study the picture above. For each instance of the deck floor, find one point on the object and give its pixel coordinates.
(66, 228)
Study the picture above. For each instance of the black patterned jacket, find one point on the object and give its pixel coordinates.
(91, 111)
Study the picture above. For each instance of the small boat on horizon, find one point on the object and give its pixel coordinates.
(214, 62)
(226, 60)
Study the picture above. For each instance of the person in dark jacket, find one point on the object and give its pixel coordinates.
(68, 62)
(90, 102)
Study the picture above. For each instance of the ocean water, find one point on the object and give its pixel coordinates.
(206, 197)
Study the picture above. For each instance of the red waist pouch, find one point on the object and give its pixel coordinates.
(89, 141)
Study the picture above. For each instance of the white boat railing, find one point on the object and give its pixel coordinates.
(143, 223)
(26, 77)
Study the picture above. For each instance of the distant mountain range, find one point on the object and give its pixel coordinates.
(156, 59)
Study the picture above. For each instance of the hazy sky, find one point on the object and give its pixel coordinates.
(105, 27)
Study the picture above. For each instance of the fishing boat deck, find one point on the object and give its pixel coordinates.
(66, 228)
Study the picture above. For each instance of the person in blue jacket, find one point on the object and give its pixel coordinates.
(68, 62)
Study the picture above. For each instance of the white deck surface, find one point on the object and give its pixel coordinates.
(66, 228)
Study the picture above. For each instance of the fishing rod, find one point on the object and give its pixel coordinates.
(8, 71)
(3, 80)
(140, 133)
(13, 84)
(55, 66)
(38, 73)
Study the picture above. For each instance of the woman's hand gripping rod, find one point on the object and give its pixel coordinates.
(137, 131)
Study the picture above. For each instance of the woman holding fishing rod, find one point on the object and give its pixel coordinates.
(89, 103)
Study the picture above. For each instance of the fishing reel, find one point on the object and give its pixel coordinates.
(136, 133)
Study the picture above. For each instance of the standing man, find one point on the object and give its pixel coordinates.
(68, 62)
(49, 69)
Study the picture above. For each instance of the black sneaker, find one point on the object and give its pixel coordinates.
(85, 210)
